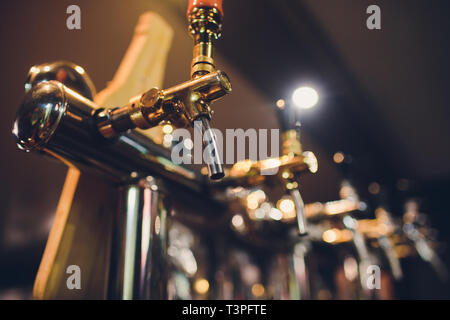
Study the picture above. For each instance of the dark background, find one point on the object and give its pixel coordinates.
(384, 99)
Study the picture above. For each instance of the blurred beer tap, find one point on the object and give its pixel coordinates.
(292, 148)
(285, 170)
(415, 229)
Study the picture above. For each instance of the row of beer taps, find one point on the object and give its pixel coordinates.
(58, 117)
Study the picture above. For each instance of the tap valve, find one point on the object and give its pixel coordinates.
(185, 103)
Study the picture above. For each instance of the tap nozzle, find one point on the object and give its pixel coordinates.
(205, 26)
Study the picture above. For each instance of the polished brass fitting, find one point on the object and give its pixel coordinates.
(205, 26)
(180, 105)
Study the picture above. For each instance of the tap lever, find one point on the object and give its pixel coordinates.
(196, 4)
(205, 26)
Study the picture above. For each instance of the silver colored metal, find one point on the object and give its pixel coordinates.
(62, 123)
(300, 210)
(69, 74)
(139, 253)
(211, 151)
(364, 259)
(39, 115)
(392, 257)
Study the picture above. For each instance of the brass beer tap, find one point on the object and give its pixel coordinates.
(190, 101)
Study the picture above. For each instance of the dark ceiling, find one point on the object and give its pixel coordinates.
(384, 92)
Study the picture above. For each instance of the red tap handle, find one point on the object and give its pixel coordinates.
(205, 3)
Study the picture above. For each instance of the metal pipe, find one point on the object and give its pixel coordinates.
(58, 121)
(300, 211)
(211, 150)
(139, 248)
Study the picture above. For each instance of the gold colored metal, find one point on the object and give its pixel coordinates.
(286, 169)
(205, 26)
(180, 105)
(291, 145)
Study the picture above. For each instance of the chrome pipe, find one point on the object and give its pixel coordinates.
(139, 250)
(300, 211)
(60, 122)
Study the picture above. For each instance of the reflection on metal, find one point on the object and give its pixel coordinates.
(56, 119)
(301, 216)
(139, 253)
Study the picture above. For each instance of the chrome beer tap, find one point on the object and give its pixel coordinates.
(59, 117)
(53, 116)
(413, 229)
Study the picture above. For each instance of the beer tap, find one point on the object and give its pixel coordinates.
(288, 167)
(413, 229)
(181, 105)
(188, 102)
(292, 148)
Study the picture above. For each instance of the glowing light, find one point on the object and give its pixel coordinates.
(237, 221)
(157, 225)
(338, 157)
(340, 206)
(259, 213)
(134, 174)
(266, 206)
(168, 137)
(255, 198)
(331, 235)
(201, 286)
(35, 70)
(287, 207)
(350, 268)
(311, 160)
(79, 69)
(258, 290)
(275, 214)
(204, 171)
(291, 185)
(281, 103)
(167, 140)
(167, 129)
(270, 164)
(252, 203)
(305, 97)
(241, 167)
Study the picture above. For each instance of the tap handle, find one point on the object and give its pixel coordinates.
(211, 149)
(300, 210)
(193, 4)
